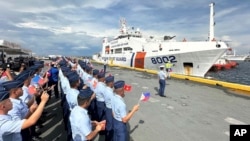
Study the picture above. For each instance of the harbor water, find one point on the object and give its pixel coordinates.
(240, 74)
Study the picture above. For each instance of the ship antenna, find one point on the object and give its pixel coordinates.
(212, 23)
(123, 28)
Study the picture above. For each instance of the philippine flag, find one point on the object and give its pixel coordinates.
(37, 80)
(145, 96)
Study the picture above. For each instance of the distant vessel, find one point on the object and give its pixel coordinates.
(248, 58)
(231, 55)
(131, 49)
(222, 64)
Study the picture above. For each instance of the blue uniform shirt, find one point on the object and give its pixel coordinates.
(100, 91)
(93, 84)
(72, 98)
(109, 94)
(162, 75)
(80, 123)
(118, 107)
(87, 79)
(19, 109)
(26, 97)
(53, 74)
(65, 84)
(10, 129)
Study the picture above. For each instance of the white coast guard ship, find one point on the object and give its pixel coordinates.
(131, 49)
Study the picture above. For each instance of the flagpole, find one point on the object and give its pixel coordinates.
(139, 100)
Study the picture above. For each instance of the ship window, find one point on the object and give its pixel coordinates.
(127, 48)
(217, 45)
(118, 50)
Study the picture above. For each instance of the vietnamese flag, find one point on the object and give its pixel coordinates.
(127, 87)
(32, 89)
(41, 82)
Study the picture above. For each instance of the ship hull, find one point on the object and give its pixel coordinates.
(195, 62)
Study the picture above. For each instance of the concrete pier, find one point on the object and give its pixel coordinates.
(191, 111)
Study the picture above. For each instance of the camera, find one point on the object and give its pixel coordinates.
(4, 66)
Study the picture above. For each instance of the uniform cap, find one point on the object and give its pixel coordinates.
(109, 79)
(85, 93)
(88, 68)
(8, 85)
(2, 88)
(4, 95)
(162, 66)
(34, 67)
(65, 69)
(73, 78)
(119, 84)
(24, 75)
(39, 65)
(95, 72)
(68, 74)
(83, 65)
(101, 75)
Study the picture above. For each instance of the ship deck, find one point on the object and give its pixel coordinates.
(191, 111)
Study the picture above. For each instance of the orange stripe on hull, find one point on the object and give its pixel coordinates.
(139, 60)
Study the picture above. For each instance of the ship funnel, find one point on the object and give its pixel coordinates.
(212, 23)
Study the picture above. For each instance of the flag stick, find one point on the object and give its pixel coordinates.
(139, 100)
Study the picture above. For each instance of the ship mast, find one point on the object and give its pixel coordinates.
(212, 23)
(123, 28)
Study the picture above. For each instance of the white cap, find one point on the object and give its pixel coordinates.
(162, 66)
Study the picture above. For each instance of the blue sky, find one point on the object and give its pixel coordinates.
(77, 27)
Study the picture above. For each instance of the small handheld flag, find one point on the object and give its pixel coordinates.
(37, 80)
(144, 97)
(32, 89)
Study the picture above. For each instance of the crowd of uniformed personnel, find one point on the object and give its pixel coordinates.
(92, 102)
(19, 110)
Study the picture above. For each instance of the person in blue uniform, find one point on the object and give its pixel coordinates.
(105, 65)
(10, 129)
(19, 109)
(109, 94)
(92, 108)
(26, 77)
(120, 115)
(162, 81)
(100, 92)
(71, 97)
(81, 124)
(53, 80)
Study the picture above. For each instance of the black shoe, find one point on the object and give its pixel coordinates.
(36, 138)
(163, 96)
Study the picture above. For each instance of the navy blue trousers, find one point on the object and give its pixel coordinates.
(100, 107)
(162, 87)
(109, 125)
(120, 131)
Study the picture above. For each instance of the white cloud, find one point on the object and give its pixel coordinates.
(78, 25)
(80, 48)
(56, 30)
